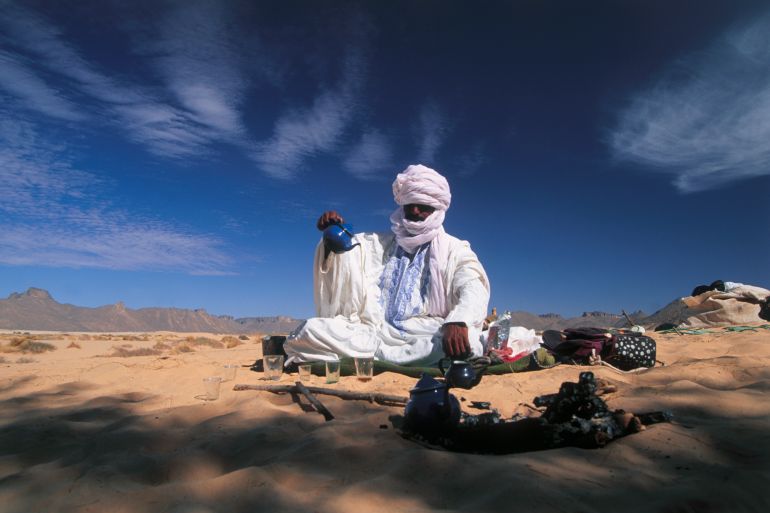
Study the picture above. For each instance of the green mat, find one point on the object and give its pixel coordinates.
(540, 359)
(685, 331)
(694, 331)
(741, 328)
(747, 328)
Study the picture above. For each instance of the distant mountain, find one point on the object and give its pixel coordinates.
(35, 309)
(551, 321)
(277, 324)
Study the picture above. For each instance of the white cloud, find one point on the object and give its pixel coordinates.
(197, 53)
(36, 35)
(33, 92)
(206, 62)
(300, 134)
(35, 176)
(55, 215)
(707, 121)
(371, 157)
(163, 129)
(115, 246)
(198, 73)
(432, 130)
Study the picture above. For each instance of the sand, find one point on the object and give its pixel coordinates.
(81, 430)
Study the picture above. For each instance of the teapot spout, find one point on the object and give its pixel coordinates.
(479, 374)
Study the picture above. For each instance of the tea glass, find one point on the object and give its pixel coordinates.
(305, 371)
(364, 368)
(273, 367)
(333, 371)
(211, 388)
(228, 371)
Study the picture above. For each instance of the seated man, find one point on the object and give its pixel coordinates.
(409, 296)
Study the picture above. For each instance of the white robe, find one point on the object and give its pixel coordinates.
(350, 320)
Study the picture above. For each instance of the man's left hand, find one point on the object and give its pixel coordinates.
(455, 341)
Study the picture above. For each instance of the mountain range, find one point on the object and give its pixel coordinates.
(35, 309)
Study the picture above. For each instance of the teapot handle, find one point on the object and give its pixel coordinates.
(441, 366)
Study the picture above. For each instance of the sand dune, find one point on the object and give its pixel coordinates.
(81, 430)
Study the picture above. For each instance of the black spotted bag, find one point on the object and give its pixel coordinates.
(631, 351)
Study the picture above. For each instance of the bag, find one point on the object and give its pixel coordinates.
(578, 343)
(624, 350)
(632, 351)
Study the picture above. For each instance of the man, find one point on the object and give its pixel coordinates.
(409, 296)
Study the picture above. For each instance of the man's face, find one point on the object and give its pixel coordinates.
(416, 212)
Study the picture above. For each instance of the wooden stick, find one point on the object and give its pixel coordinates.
(388, 400)
(323, 410)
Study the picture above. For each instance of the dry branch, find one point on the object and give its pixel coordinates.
(388, 400)
(315, 401)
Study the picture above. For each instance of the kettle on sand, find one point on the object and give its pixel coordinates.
(460, 373)
(431, 409)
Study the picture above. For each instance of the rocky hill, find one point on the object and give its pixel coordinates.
(553, 321)
(35, 309)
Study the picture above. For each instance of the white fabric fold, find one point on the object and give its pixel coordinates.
(348, 307)
(351, 320)
(422, 185)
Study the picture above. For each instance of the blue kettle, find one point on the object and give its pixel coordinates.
(339, 238)
(431, 410)
(459, 374)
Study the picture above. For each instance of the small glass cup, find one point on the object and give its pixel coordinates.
(211, 388)
(273, 366)
(333, 371)
(305, 371)
(228, 371)
(364, 368)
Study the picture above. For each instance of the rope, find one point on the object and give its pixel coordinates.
(596, 359)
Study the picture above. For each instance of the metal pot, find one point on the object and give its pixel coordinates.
(339, 238)
(431, 409)
(459, 374)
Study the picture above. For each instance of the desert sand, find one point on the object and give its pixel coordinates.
(93, 425)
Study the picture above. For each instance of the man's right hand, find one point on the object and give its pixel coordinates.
(329, 218)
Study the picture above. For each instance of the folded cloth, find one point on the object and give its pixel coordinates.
(506, 354)
(540, 359)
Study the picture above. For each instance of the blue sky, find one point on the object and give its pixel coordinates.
(602, 155)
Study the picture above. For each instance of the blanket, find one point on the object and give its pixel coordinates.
(745, 304)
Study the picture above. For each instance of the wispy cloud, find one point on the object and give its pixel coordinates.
(197, 66)
(20, 82)
(371, 157)
(116, 247)
(206, 63)
(43, 40)
(303, 133)
(707, 121)
(432, 130)
(197, 54)
(471, 162)
(54, 215)
(164, 130)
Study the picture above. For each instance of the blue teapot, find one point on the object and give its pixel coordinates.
(431, 409)
(459, 374)
(339, 238)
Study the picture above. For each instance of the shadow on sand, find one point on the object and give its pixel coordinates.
(58, 454)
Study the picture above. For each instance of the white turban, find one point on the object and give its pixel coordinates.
(421, 185)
